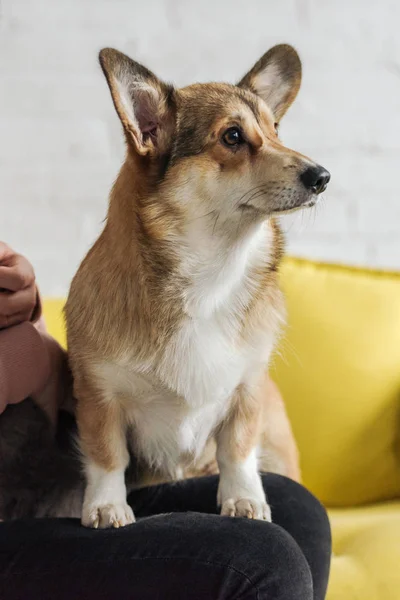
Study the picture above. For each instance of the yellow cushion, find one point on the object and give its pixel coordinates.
(339, 372)
(54, 318)
(366, 553)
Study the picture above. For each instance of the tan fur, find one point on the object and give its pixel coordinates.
(279, 452)
(243, 425)
(145, 281)
(101, 426)
(130, 276)
(277, 439)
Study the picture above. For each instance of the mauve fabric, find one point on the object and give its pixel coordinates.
(24, 363)
(179, 548)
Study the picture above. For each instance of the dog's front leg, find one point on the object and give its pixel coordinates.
(103, 441)
(240, 491)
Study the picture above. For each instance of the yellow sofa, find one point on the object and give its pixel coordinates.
(339, 371)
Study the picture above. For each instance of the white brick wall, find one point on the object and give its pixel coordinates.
(60, 141)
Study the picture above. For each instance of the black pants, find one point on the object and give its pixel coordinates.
(188, 553)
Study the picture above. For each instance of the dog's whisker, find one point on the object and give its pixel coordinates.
(250, 191)
(215, 222)
(203, 216)
(255, 196)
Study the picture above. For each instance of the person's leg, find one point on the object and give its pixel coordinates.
(293, 508)
(176, 556)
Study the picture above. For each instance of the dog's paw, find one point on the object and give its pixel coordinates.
(107, 515)
(246, 507)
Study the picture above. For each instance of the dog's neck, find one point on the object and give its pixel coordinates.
(211, 256)
(218, 266)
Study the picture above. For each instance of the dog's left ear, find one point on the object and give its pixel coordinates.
(276, 78)
(145, 104)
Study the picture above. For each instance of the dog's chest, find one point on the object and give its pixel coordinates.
(176, 400)
(213, 351)
(176, 404)
(190, 393)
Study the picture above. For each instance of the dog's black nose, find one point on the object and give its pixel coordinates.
(315, 179)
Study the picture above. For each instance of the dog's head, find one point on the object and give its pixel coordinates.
(215, 147)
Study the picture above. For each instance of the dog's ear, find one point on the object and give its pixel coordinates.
(145, 105)
(276, 78)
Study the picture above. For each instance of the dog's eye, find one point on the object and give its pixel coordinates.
(276, 125)
(232, 137)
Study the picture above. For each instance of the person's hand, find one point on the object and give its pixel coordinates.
(18, 295)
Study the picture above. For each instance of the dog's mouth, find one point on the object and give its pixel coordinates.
(315, 180)
(290, 200)
(311, 202)
(299, 204)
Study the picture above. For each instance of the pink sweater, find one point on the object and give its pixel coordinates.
(25, 362)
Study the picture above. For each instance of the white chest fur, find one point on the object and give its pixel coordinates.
(176, 404)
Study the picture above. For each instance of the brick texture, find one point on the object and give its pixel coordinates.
(61, 144)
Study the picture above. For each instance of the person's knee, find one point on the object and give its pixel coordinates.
(306, 520)
(278, 566)
(264, 557)
(290, 500)
(292, 578)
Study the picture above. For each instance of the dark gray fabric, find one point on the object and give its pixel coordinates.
(178, 549)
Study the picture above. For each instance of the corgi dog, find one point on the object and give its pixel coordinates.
(174, 313)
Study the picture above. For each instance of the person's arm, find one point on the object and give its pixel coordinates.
(24, 363)
(32, 363)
